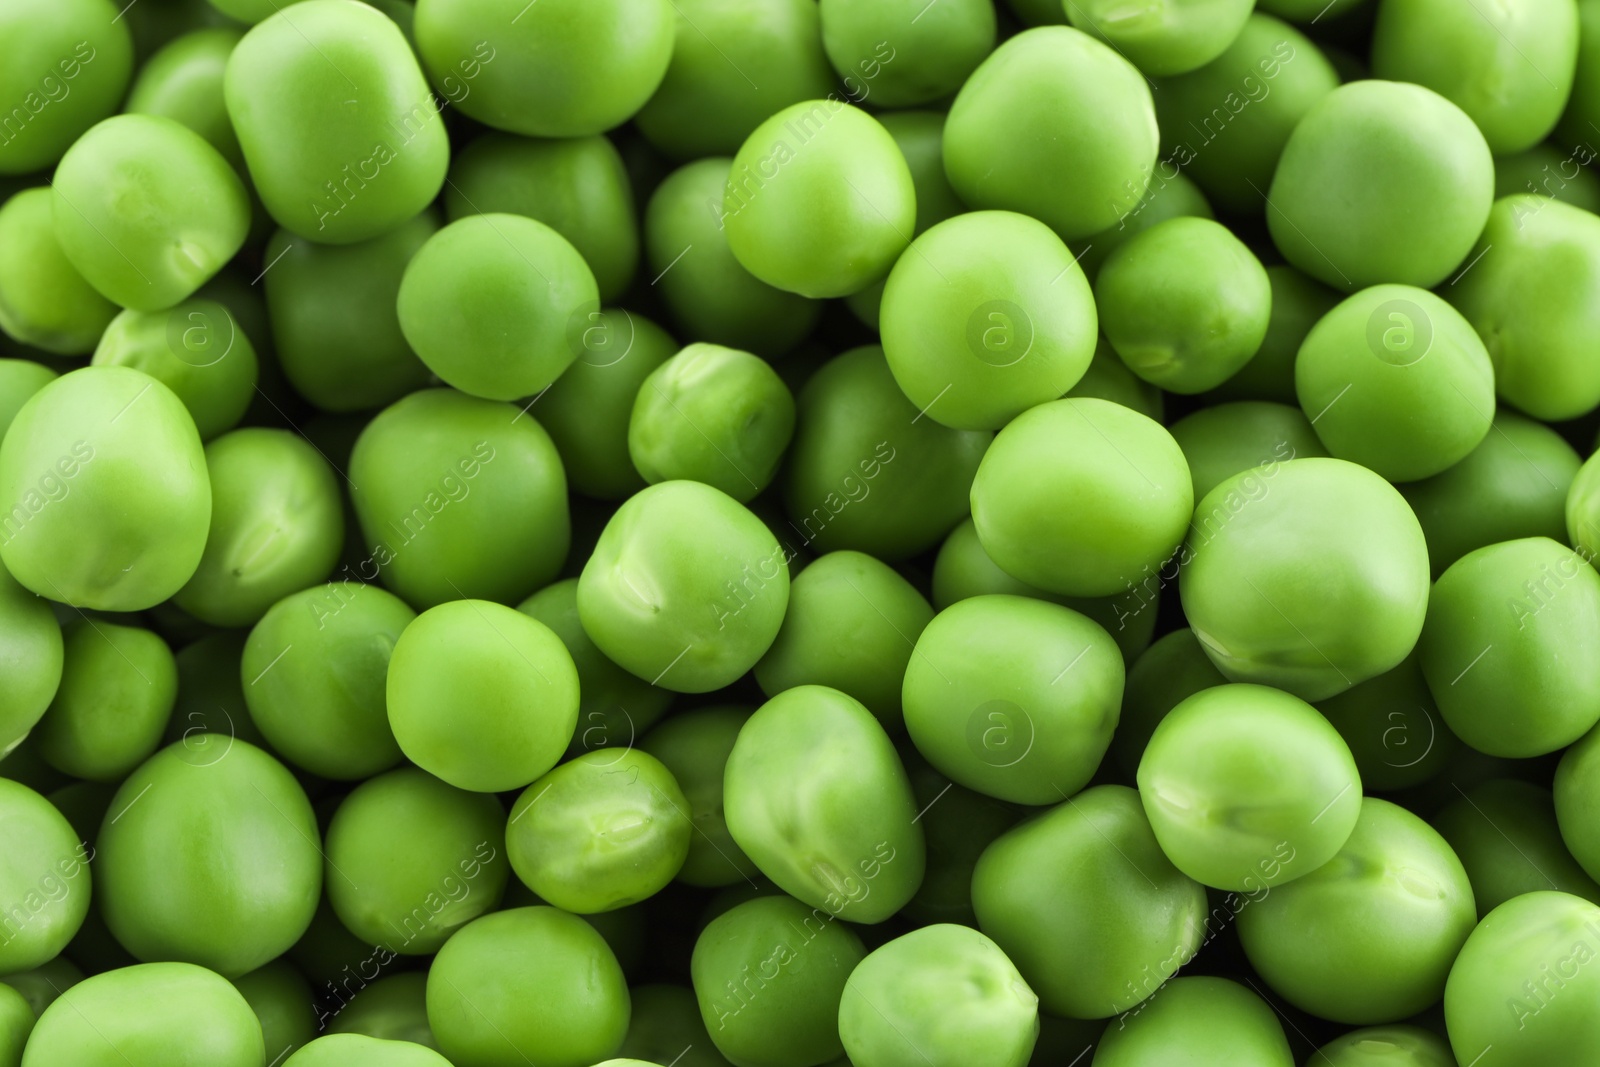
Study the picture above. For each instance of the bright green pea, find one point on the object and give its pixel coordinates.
(491, 304)
(117, 691)
(183, 82)
(277, 525)
(19, 380)
(1534, 302)
(31, 656)
(41, 986)
(1248, 787)
(1086, 904)
(898, 53)
(714, 415)
(393, 1008)
(694, 747)
(1184, 303)
(819, 201)
(867, 471)
(734, 64)
(1369, 936)
(1199, 1022)
(482, 695)
(1546, 170)
(356, 1050)
(1312, 631)
(1577, 799)
(600, 832)
(666, 1023)
(501, 991)
(958, 825)
(44, 301)
(1381, 182)
(150, 1015)
(1393, 728)
(1163, 39)
(1508, 838)
(1509, 70)
(841, 835)
(44, 879)
(851, 625)
(1219, 442)
(1519, 992)
(1298, 304)
(451, 871)
(66, 65)
(568, 69)
(281, 1000)
(984, 317)
(1014, 697)
(1108, 378)
(944, 988)
(458, 497)
(147, 210)
(233, 905)
(686, 587)
(1126, 475)
(105, 484)
(1168, 197)
(770, 975)
(1173, 669)
(334, 324)
(16, 1023)
(586, 411)
(1502, 647)
(1386, 1046)
(345, 174)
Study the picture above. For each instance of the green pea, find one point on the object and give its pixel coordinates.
(1381, 182)
(867, 471)
(677, 607)
(458, 497)
(368, 167)
(819, 201)
(1168, 197)
(1386, 1046)
(1583, 107)
(108, 497)
(842, 835)
(31, 652)
(482, 695)
(44, 879)
(66, 67)
(1511, 73)
(1518, 992)
(946, 988)
(666, 1023)
(1507, 837)
(1165, 40)
(117, 691)
(355, 1050)
(251, 11)
(714, 415)
(958, 825)
(392, 1008)
(1546, 170)
(770, 975)
(41, 986)
(898, 53)
(1108, 378)
(1056, 125)
(1038, 12)
(1315, 632)
(1083, 900)
(1577, 798)
(183, 82)
(281, 1000)
(211, 703)
(734, 64)
(587, 410)
(151, 1015)
(1393, 728)
(1171, 670)
(711, 295)
(1500, 649)
(1248, 787)
(1515, 484)
(501, 991)
(1298, 304)
(16, 1023)
(44, 301)
(694, 747)
(19, 380)
(1534, 303)
(1184, 303)
(1201, 1022)
(1127, 473)
(964, 310)
(920, 137)
(334, 323)
(1227, 439)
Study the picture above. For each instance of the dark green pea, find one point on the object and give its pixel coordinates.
(211, 703)
(44, 879)
(586, 411)
(147, 210)
(197, 349)
(392, 1008)
(66, 66)
(117, 691)
(1170, 671)
(370, 166)
(1227, 439)
(1169, 196)
(1577, 799)
(1393, 728)
(281, 1000)
(577, 187)
(183, 82)
(1039, 12)
(842, 836)
(1386, 1046)
(897, 53)
(694, 747)
(920, 135)
(152, 1015)
(334, 323)
(19, 380)
(31, 650)
(1508, 839)
(44, 301)
(1083, 900)
(1546, 170)
(43, 984)
(1583, 107)
(712, 297)
(356, 1050)
(1298, 303)
(1200, 1022)
(666, 1023)
(459, 497)
(769, 975)
(958, 825)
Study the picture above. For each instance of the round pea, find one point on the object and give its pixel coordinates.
(1508, 838)
(393, 1008)
(1125, 471)
(117, 691)
(31, 655)
(105, 485)
(666, 1023)
(481, 695)
(920, 135)
(1227, 439)
(1167, 40)
(16, 1023)
(19, 380)
(211, 703)
(899, 53)
(66, 66)
(958, 825)
(282, 1002)
(44, 879)
(694, 747)
(1206, 1021)
(1174, 668)
(44, 301)
(1393, 728)
(357, 1050)
(1577, 798)
(41, 986)
(1386, 1046)
(183, 82)
(1298, 304)
(1169, 196)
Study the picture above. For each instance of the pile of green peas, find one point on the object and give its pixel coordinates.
(799, 533)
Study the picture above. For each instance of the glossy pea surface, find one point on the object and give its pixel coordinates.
(66, 68)
(118, 686)
(45, 875)
(1211, 1022)
(44, 300)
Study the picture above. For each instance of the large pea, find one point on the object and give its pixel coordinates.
(345, 173)
(63, 67)
(44, 879)
(1199, 1021)
(44, 301)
